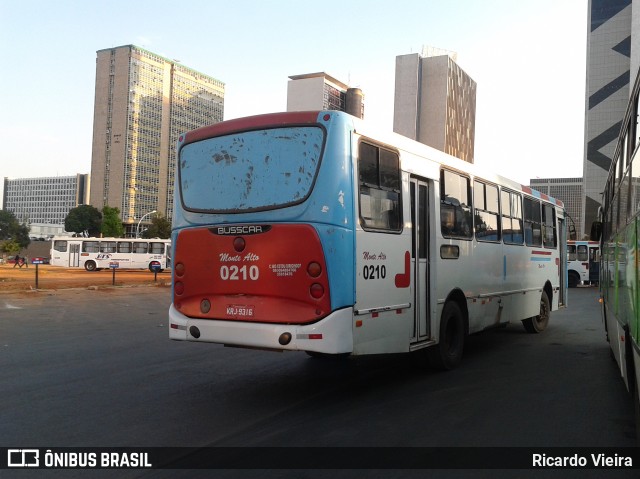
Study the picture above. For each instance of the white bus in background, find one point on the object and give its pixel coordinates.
(97, 253)
(583, 265)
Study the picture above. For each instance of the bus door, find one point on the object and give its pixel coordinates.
(420, 257)
(74, 254)
(562, 266)
(594, 264)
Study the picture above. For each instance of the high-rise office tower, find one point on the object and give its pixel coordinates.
(143, 102)
(435, 102)
(319, 91)
(607, 94)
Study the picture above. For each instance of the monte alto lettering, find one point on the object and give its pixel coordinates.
(236, 258)
(368, 256)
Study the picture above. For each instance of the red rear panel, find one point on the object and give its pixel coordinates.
(260, 273)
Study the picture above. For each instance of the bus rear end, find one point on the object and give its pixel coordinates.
(256, 217)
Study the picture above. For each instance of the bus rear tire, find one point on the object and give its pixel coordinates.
(574, 279)
(537, 324)
(90, 266)
(447, 354)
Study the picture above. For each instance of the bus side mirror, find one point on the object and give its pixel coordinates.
(572, 232)
(596, 231)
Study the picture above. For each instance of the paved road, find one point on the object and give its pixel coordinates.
(96, 368)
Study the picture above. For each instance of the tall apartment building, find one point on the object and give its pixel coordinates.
(319, 91)
(143, 102)
(435, 102)
(44, 203)
(568, 190)
(609, 47)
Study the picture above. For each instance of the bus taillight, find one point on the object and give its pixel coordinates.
(314, 269)
(179, 269)
(178, 287)
(316, 290)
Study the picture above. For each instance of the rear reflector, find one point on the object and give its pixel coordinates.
(309, 336)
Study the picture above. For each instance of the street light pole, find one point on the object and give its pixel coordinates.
(143, 217)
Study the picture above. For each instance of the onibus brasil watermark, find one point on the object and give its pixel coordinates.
(35, 458)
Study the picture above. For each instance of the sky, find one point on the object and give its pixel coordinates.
(527, 57)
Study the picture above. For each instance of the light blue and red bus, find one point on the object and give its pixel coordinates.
(313, 231)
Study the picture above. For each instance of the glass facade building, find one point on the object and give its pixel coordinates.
(143, 102)
(568, 190)
(45, 200)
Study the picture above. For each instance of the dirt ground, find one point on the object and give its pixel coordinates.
(56, 277)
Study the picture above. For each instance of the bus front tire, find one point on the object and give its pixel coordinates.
(447, 354)
(90, 266)
(537, 324)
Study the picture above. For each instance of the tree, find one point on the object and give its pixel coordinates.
(83, 218)
(12, 230)
(160, 227)
(111, 223)
(10, 247)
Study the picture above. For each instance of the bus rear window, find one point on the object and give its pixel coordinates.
(253, 170)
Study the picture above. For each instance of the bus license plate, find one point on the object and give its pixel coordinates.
(237, 311)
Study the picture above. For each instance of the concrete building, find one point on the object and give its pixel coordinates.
(319, 91)
(44, 203)
(568, 190)
(435, 102)
(143, 102)
(610, 44)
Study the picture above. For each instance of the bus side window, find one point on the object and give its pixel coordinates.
(379, 171)
(140, 247)
(511, 218)
(486, 212)
(583, 255)
(124, 247)
(90, 246)
(108, 247)
(60, 245)
(549, 224)
(532, 222)
(156, 248)
(455, 205)
(571, 252)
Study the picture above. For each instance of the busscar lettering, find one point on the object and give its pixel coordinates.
(240, 230)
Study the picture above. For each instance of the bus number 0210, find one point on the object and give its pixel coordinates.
(235, 273)
(374, 272)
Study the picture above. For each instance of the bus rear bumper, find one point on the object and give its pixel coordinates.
(331, 335)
